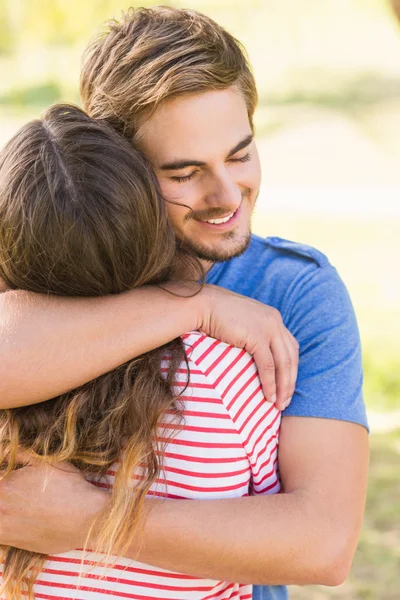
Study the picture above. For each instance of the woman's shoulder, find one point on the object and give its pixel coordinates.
(202, 349)
(224, 366)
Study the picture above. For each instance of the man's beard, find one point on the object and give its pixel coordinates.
(233, 249)
(236, 248)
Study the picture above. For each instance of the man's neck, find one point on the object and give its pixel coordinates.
(206, 264)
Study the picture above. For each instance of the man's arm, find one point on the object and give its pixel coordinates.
(51, 344)
(306, 535)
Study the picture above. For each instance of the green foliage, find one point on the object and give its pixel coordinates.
(37, 96)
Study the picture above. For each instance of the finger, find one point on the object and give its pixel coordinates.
(283, 371)
(293, 349)
(292, 341)
(266, 372)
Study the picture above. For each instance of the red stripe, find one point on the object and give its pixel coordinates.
(269, 487)
(175, 484)
(178, 442)
(201, 399)
(265, 463)
(240, 392)
(144, 584)
(211, 415)
(164, 495)
(195, 488)
(271, 473)
(256, 409)
(254, 461)
(243, 406)
(185, 336)
(204, 386)
(47, 597)
(238, 376)
(269, 426)
(182, 371)
(218, 360)
(268, 475)
(207, 352)
(191, 347)
(206, 475)
(184, 427)
(219, 592)
(229, 367)
(151, 572)
(250, 416)
(192, 473)
(206, 459)
(84, 588)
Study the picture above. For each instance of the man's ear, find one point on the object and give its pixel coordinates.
(3, 286)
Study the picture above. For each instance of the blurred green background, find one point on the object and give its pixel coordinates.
(328, 128)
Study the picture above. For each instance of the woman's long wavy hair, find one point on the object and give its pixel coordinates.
(81, 215)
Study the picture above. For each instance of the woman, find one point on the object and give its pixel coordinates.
(81, 215)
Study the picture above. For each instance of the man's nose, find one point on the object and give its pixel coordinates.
(224, 191)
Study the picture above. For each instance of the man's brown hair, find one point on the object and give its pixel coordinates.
(153, 54)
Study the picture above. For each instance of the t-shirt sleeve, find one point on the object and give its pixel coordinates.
(319, 313)
(233, 374)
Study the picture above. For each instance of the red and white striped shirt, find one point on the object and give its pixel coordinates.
(226, 448)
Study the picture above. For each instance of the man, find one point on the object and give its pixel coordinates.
(179, 85)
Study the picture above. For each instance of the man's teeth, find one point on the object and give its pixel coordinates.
(219, 221)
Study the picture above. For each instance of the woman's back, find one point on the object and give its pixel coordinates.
(81, 215)
(226, 448)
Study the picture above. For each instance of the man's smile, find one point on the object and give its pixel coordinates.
(223, 220)
(221, 223)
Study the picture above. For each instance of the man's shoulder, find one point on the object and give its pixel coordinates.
(270, 249)
(265, 254)
(268, 268)
(289, 250)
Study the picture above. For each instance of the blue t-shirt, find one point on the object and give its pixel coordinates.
(300, 282)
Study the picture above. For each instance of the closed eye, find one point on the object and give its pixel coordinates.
(184, 178)
(242, 159)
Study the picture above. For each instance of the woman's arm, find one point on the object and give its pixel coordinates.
(51, 344)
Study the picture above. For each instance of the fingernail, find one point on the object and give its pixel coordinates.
(272, 399)
(286, 404)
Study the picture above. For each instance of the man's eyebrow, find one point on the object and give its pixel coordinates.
(177, 165)
(247, 140)
(181, 164)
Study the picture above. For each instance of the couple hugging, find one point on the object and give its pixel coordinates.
(150, 344)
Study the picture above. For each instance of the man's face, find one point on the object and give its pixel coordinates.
(202, 150)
